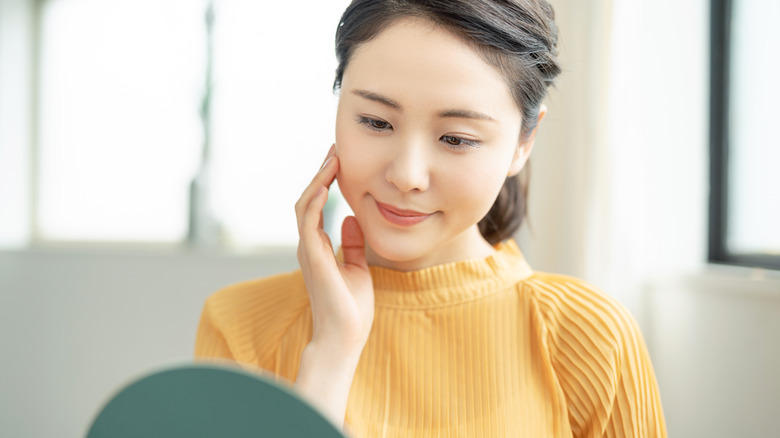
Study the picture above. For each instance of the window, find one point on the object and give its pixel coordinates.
(121, 128)
(119, 131)
(745, 152)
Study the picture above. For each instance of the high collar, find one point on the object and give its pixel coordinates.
(450, 283)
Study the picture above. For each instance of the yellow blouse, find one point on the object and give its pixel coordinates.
(473, 348)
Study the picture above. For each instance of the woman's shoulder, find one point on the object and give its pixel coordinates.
(577, 317)
(285, 286)
(263, 299)
(566, 302)
(599, 356)
(249, 316)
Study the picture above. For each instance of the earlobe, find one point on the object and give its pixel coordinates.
(525, 146)
(518, 161)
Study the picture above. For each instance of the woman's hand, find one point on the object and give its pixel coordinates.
(341, 293)
(341, 296)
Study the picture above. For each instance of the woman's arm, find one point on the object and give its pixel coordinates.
(341, 296)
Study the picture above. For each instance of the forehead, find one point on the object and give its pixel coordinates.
(417, 62)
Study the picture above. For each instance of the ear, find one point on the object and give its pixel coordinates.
(525, 146)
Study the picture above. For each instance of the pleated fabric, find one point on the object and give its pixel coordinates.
(474, 348)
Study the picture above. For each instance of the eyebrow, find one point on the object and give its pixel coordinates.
(466, 114)
(452, 113)
(378, 98)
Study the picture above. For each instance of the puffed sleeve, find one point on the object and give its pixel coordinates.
(250, 322)
(601, 362)
(210, 342)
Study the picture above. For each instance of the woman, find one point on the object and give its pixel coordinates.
(429, 322)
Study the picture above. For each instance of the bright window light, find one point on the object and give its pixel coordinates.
(122, 84)
(273, 113)
(754, 186)
(120, 133)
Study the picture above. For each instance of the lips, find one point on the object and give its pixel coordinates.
(401, 217)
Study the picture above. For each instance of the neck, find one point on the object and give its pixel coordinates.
(467, 246)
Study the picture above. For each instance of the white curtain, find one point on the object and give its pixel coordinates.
(618, 190)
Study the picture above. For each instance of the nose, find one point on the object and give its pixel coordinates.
(409, 167)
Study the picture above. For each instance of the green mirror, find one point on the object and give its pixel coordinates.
(208, 401)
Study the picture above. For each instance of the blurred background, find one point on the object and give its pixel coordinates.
(151, 152)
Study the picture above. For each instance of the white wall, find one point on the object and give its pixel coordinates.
(77, 325)
(715, 342)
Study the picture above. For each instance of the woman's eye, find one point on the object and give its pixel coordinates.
(379, 124)
(374, 124)
(459, 143)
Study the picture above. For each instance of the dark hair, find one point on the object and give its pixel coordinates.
(518, 37)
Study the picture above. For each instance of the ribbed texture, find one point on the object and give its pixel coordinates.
(474, 348)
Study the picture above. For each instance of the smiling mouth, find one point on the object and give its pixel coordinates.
(399, 216)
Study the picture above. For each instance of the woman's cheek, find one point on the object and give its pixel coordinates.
(348, 176)
(477, 198)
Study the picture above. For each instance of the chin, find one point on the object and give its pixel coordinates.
(395, 247)
(396, 251)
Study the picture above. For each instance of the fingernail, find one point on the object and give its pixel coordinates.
(326, 162)
(331, 154)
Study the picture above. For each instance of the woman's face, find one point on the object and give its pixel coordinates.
(426, 134)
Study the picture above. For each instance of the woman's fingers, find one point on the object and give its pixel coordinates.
(310, 229)
(352, 243)
(324, 178)
(314, 247)
(315, 196)
(331, 152)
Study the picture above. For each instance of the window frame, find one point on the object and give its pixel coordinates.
(719, 129)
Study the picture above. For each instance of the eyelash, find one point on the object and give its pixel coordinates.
(462, 143)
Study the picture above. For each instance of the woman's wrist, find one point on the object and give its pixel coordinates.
(333, 358)
(337, 344)
(325, 377)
